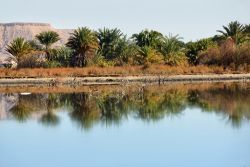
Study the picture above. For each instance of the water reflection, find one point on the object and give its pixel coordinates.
(111, 106)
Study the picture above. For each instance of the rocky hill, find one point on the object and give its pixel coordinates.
(9, 31)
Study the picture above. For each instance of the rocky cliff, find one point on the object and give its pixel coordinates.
(10, 31)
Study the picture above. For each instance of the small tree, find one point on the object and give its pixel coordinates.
(19, 48)
(48, 38)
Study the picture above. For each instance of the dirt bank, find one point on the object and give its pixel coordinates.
(126, 79)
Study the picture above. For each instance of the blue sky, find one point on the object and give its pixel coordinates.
(191, 19)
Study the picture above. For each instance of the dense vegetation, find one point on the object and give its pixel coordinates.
(230, 48)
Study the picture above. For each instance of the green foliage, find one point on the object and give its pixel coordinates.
(246, 29)
(61, 57)
(148, 38)
(172, 44)
(35, 45)
(52, 64)
(47, 38)
(172, 49)
(102, 62)
(84, 44)
(176, 58)
(147, 55)
(111, 42)
(235, 31)
(128, 53)
(194, 48)
(110, 47)
(18, 48)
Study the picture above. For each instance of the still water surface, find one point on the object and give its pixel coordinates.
(173, 125)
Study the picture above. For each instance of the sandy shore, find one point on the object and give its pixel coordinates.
(125, 79)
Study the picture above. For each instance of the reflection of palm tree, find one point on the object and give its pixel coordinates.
(112, 108)
(50, 119)
(85, 111)
(174, 102)
(25, 106)
(21, 112)
(155, 106)
(232, 102)
(235, 119)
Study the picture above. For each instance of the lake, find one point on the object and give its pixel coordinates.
(177, 124)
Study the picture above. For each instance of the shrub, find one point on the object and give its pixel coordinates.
(211, 56)
(243, 54)
(32, 60)
(195, 48)
(148, 55)
(52, 64)
(61, 56)
(227, 54)
(176, 58)
(102, 62)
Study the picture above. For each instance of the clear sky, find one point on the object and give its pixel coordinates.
(191, 19)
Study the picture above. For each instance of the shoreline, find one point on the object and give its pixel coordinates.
(110, 80)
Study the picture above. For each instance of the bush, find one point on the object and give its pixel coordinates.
(127, 55)
(61, 57)
(227, 54)
(32, 60)
(211, 56)
(193, 49)
(148, 55)
(52, 64)
(177, 58)
(102, 62)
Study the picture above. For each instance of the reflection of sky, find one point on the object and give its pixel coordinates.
(191, 19)
(193, 138)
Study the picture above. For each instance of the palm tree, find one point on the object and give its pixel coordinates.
(247, 31)
(234, 30)
(148, 38)
(84, 43)
(109, 41)
(172, 44)
(48, 38)
(18, 48)
(173, 50)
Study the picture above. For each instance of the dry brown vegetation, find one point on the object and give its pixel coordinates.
(114, 71)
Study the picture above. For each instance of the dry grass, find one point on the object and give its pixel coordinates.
(112, 71)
